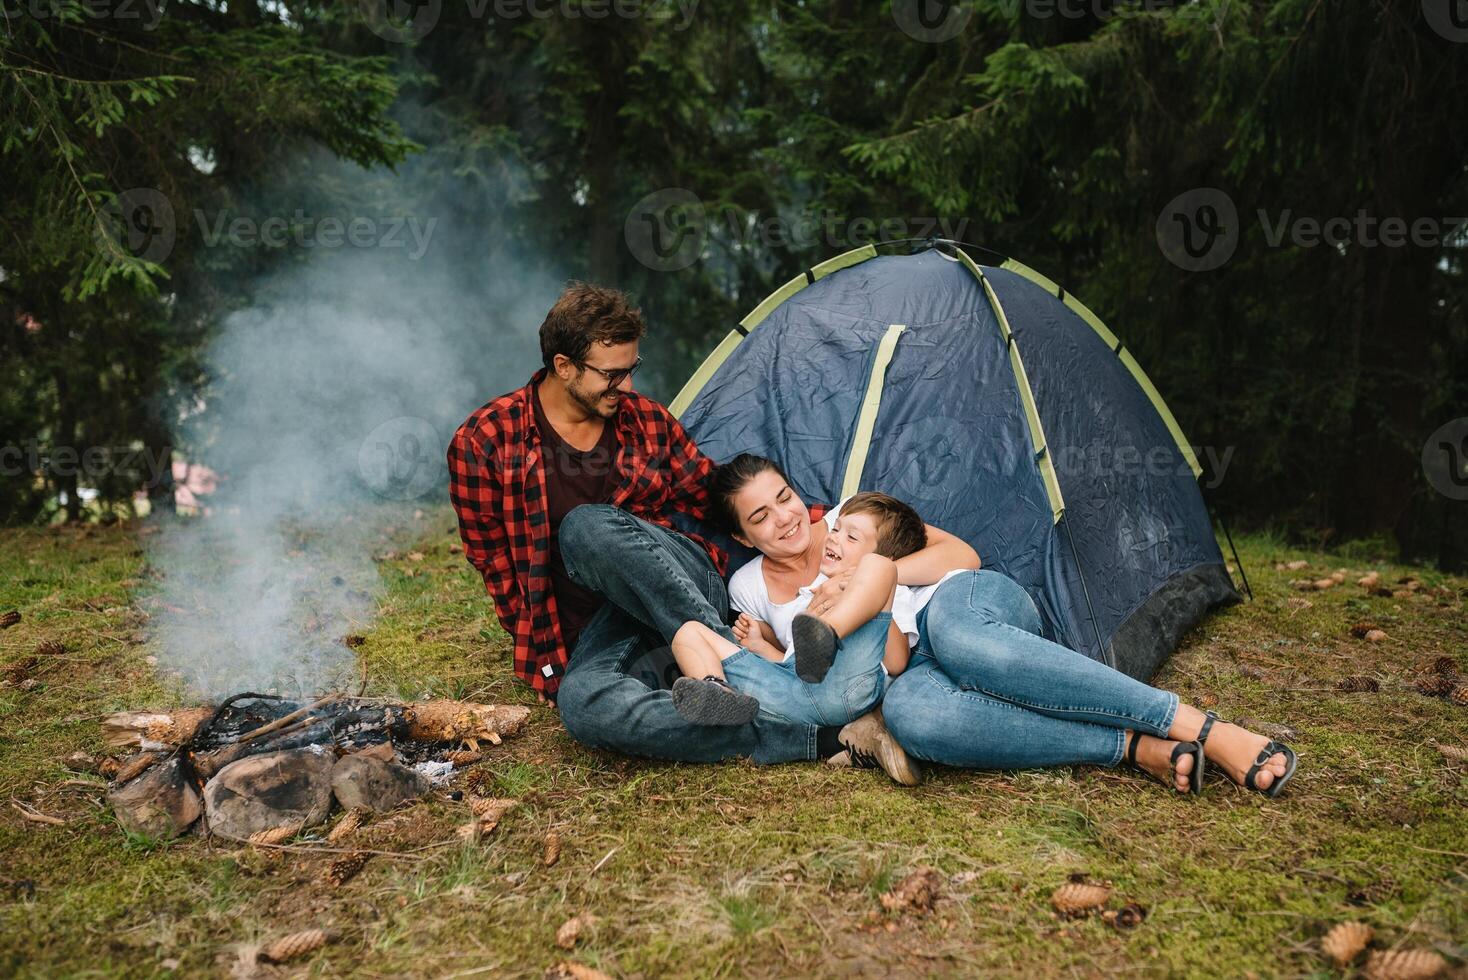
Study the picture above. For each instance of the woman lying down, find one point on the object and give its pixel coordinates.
(834, 612)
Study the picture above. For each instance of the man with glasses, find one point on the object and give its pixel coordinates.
(565, 490)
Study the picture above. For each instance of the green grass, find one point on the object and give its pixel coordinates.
(740, 870)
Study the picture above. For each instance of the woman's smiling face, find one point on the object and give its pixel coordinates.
(772, 517)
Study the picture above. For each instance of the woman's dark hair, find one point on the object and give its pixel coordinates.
(732, 477)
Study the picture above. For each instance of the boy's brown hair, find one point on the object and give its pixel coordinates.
(900, 530)
(586, 314)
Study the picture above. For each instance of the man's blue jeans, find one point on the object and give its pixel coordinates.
(654, 580)
(986, 691)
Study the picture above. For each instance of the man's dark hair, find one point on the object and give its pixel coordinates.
(586, 314)
(730, 478)
(900, 530)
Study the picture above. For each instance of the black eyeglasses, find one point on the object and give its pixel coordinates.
(615, 376)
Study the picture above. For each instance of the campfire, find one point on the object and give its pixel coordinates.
(258, 765)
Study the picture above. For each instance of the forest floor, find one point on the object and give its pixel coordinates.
(738, 870)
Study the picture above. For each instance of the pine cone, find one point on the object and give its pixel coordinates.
(915, 893)
(1077, 899)
(552, 852)
(1446, 666)
(1436, 686)
(1459, 695)
(275, 835)
(1357, 682)
(567, 970)
(296, 944)
(1345, 941)
(345, 868)
(1453, 753)
(9, 619)
(463, 758)
(50, 648)
(1360, 630)
(490, 808)
(21, 669)
(1404, 964)
(346, 826)
(1129, 916)
(570, 932)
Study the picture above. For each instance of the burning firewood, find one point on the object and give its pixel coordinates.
(136, 766)
(154, 729)
(464, 721)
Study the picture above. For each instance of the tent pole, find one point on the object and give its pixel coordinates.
(1242, 574)
(1086, 591)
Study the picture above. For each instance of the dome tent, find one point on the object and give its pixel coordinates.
(1002, 410)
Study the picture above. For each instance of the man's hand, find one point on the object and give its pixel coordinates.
(825, 595)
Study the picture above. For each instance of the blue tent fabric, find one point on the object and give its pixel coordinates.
(1133, 560)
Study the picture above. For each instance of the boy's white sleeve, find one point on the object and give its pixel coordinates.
(904, 613)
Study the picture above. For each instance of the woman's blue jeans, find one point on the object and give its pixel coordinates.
(986, 691)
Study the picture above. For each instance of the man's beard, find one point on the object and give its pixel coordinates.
(597, 406)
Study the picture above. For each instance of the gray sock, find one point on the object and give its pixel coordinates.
(712, 702)
(815, 647)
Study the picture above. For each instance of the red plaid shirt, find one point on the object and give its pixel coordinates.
(497, 485)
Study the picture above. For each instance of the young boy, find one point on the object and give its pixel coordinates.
(789, 663)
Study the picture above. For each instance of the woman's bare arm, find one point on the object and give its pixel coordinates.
(944, 553)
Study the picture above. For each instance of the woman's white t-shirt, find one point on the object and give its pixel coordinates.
(748, 593)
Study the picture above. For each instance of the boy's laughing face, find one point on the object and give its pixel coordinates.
(852, 539)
